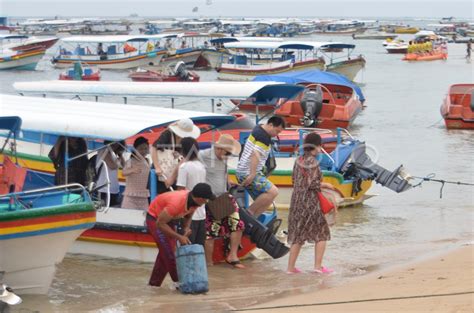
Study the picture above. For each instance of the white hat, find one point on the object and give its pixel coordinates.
(7, 296)
(185, 128)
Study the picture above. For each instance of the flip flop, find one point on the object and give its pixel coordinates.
(235, 264)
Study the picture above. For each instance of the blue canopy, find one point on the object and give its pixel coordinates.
(312, 76)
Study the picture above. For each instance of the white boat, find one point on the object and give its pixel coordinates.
(37, 226)
(115, 52)
(297, 55)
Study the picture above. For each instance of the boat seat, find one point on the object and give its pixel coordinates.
(70, 73)
(88, 71)
(112, 50)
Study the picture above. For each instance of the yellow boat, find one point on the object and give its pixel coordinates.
(406, 30)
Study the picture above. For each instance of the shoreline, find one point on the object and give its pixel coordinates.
(433, 283)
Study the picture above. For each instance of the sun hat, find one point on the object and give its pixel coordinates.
(229, 144)
(185, 128)
(203, 190)
(7, 295)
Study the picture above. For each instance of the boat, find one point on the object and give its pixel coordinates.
(329, 100)
(398, 46)
(428, 56)
(342, 27)
(178, 74)
(373, 36)
(240, 68)
(25, 43)
(118, 233)
(37, 225)
(109, 52)
(348, 65)
(406, 30)
(79, 72)
(458, 107)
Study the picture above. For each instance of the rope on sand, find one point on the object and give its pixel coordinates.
(356, 301)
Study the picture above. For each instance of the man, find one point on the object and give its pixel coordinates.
(215, 161)
(162, 213)
(249, 170)
(468, 49)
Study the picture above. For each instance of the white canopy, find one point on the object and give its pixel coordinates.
(109, 39)
(232, 90)
(95, 120)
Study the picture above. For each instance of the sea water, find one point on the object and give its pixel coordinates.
(402, 125)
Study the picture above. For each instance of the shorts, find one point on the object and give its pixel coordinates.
(258, 186)
(227, 225)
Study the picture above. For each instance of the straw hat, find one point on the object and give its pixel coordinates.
(185, 128)
(7, 296)
(229, 144)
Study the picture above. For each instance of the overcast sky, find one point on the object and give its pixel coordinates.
(311, 8)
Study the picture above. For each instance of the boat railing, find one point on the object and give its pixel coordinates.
(52, 188)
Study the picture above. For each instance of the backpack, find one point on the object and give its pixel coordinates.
(92, 173)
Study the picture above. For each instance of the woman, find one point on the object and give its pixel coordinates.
(165, 152)
(136, 172)
(192, 172)
(112, 155)
(306, 222)
(76, 167)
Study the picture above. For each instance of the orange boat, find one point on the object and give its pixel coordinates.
(330, 100)
(338, 108)
(458, 107)
(429, 56)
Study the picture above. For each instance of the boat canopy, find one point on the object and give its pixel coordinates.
(94, 120)
(11, 123)
(312, 76)
(113, 39)
(299, 45)
(230, 90)
(246, 39)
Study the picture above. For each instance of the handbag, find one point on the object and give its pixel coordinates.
(221, 206)
(325, 205)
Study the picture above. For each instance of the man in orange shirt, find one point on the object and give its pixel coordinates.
(164, 210)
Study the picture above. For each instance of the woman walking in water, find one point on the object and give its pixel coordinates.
(306, 221)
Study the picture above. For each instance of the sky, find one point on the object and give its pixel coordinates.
(248, 8)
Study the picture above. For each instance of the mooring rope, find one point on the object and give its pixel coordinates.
(430, 177)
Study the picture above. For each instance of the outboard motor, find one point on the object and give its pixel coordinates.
(312, 104)
(180, 70)
(359, 165)
(261, 235)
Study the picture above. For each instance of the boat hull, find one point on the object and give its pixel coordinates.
(115, 62)
(349, 68)
(23, 61)
(189, 58)
(33, 241)
(215, 58)
(426, 57)
(248, 72)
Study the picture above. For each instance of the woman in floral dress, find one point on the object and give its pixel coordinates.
(306, 222)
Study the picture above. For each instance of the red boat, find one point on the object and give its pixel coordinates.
(458, 107)
(88, 73)
(178, 74)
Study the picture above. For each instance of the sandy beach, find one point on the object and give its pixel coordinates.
(444, 283)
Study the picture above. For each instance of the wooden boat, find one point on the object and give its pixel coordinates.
(458, 107)
(178, 74)
(20, 60)
(406, 30)
(112, 54)
(37, 226)
(88, 73)
(373, 36)
(118, 232)
(25, 43)
(240, 68)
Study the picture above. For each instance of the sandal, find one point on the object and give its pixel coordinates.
(235, 264)
(323, 270)
(294, 271)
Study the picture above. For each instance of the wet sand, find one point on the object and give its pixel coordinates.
(450, 276)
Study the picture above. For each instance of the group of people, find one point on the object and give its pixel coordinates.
(190, 179)
(427, 46)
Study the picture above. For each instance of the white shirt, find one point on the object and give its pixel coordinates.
(113, 174)
(191, 173)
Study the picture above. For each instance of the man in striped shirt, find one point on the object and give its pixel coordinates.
(249, 170)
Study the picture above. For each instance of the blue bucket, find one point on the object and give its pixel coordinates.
(192, 269)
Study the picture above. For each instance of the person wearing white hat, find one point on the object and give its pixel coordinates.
(215, 161)
(165, 152)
